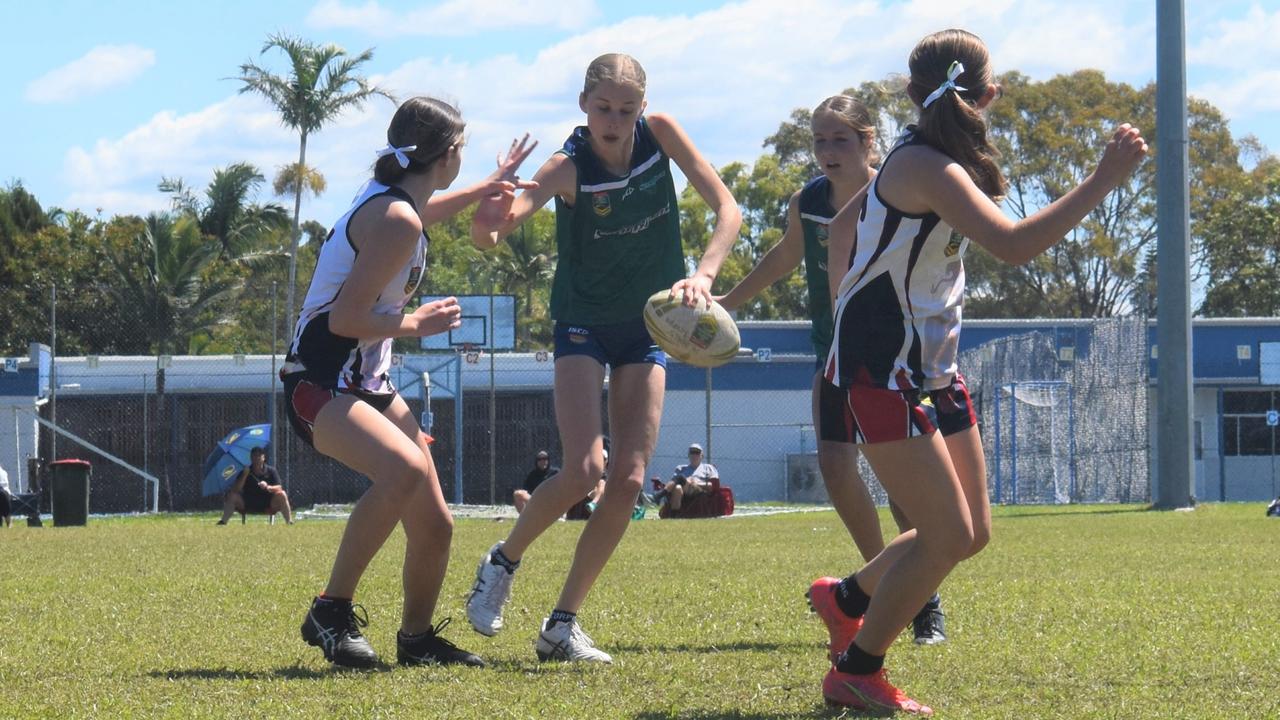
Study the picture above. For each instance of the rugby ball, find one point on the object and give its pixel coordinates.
(703, 336)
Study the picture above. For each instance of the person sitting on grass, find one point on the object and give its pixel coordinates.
(257, 491)
(688, 480)
(542, 469)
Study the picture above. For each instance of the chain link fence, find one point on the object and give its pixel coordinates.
(1064, 419)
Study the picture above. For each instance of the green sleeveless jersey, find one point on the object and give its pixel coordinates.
(816, 213)
(620, 242)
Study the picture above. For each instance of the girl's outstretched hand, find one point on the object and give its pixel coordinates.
(509, 165)
(499, 191)
(438, 316)
(494, 209)
(1123, 154)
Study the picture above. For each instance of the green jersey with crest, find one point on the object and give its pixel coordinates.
(620, 241)
(816, 213)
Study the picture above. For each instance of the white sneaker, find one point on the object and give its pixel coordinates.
(490, 593)
(567, 641)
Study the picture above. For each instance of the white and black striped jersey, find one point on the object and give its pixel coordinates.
(356, 363)
(898, 309)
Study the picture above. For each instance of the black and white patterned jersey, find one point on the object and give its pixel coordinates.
(357, 363)
(898, 308)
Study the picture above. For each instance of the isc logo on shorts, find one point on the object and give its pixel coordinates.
(577, 335)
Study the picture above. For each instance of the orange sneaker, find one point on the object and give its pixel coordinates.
(840, 627)
(871, 693)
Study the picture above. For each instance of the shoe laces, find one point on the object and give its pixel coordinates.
(880, 681)
(354, 620)
(500, 585)
(928, 623)
(577, 633)
(439, 628)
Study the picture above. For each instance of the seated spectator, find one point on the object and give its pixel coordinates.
(689, 479)
(257, 491)
(542, 469)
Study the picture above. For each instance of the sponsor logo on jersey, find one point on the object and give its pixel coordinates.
(953, 246)
(634, 228)
(600, 203)
(823, 234)
(415, 274)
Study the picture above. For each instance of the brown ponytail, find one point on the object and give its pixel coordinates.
(952, 123)
(433, 125)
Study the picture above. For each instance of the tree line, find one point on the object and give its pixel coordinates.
(212, 274)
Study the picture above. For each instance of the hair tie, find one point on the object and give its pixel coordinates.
(399, 152)
(953, 72)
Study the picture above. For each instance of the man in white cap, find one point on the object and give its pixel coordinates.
(689, 479)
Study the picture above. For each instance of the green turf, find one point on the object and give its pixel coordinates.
(1078, 612)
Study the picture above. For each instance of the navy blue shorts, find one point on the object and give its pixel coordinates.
(627, 343)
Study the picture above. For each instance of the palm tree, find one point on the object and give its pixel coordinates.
(226, 213)
(321, 84)
(161, 276)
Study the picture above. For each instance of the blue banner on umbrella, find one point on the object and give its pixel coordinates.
(231, 456)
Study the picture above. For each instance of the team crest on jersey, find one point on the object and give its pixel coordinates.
(953, 246)
(823, 234)
(415, 275)
(600, 203)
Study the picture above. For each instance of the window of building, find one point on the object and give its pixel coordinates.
(1244, 422)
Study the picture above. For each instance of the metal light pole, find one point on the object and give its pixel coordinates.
(1175, 448)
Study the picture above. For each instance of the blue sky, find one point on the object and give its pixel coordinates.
(105, 98)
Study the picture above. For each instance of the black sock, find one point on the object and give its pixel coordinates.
(560, 616)
(850, 597)
(325, 600)
(497, 557)
(857, 661)
(933, 603)
(404, 637)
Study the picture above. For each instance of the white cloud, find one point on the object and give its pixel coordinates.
(1247, 44)
(1244, 54)
(1244, 95)
(453, 17)
(730, 75)
(102, 67)
(241, 128)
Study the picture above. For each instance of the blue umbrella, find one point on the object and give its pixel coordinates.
(231, 456)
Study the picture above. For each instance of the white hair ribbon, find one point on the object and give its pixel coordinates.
(953, 72)
(399, 152)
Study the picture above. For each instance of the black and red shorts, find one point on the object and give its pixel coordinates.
(863, 414)
(304, 396)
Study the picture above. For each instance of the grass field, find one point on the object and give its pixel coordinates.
(1072, 612)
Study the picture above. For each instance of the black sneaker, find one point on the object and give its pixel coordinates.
(431, 649)
(929, 624)
(334, 627)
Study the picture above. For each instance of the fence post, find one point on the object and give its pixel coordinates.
(999, 448)
(1013, 440)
